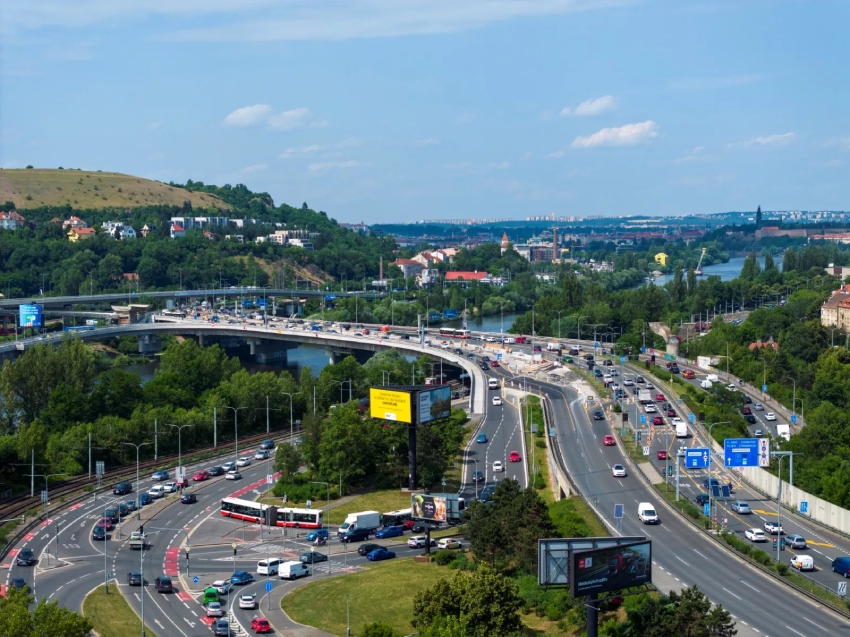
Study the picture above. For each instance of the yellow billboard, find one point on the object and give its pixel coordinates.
(389, 404)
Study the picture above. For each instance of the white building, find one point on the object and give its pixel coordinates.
(124, 231)
(11, 220)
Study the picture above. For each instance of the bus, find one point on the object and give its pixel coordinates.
(174, 313)
(299, 518)
(246, 510)
(397, 518)
(454, 333)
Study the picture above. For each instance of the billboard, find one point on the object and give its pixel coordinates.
(389, 404)
(31, 316)
(610, 569)
(434, 404)
(449, 314)
(437, 507)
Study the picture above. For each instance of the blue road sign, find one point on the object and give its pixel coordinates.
(618, 511)
(596, 343)
(434, 316)
(696, 458)
(643, 350)
(268, 587)
(449, 314)
(692, 418)
(623, 360)
(804, 507)
(741, 452)
(195, 580)
(262, 302)
(498, 357)
(793, 419)
(764, 388)
(642, 419)
(706, 508)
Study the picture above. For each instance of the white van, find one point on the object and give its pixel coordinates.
(705, 384)
(293, 570)
(647, 514)
(712, 377)
(493, 383)
(157, 491)
(269, 566)
(803, 563)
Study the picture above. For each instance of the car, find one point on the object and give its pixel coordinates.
(709, 483)
(240, 578)
(216, 471)
(731, 387)
(662, 454)
(25, 557)
(380, 554)
(486, 494)
(222, 586)
(674, 369)
(676, 421)
(160, 475)
(188, 498)
(123, 509)
(758, 407)
(171, 487)
(244, 461)
(497, 400)
(145, 499)
(98, 533)
(262, 454)
(105, 523)
(746, 410)
(750, 418)
(477, 476)
(419, 541)
(536, 348)
(671, 413)
(650, 385)
(650, 408)
(670, 364)
(747, 400)
(702, 498)
(658, 420)
(609, 441)
(318, 533)
(261, 625)
(267, 445)
(495, 364)
(615, 386)
(619, 471)
(233, 475)
(770, 416)
(660, 398)
(163, 584)
(628, 382)
(130, 505)
(796, 542)
(221, 628)
(712, 377)
(498, 467)
(607, 363)
(247, 602)
(739, 506)
(758, 433)
(514, 456)
(365, 549)
(112, 514)
(214, 609)
(597, 415)
(755, 535)
(312, 557)
(449, 543)
(122, 488)
(689, 373)
(200, 476)
(390, 531)
(774, 528)
(228, 466)
(18, 582)
(640, 380)
(156, 491)
(481, 438)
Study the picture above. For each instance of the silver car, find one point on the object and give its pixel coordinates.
(796, 542)
(741, 507)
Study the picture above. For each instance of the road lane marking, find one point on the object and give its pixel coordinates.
(794, 631)
(700, 554)
(814, 624)
(748, 586)
(682, 561)
(733, 594)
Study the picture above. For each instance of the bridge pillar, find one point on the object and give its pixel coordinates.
(149, 344)
(263, 351)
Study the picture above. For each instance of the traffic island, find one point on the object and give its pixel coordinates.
(111, 615)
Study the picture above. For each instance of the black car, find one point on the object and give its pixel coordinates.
(123, 509)
(747, 400)
(701, 498)
(750, 418)
(484, 366)
(487, 494)
(608, 363)
(188, 498)
(597, 415)
(25, 557)
(18, 582)
(122, 488)
(477, 476)
(267, 444)
(112, 514)
(363, 549)
(163, 584)
(215, 471)
(674, 369)
(98, 533)
(134, 579)
(311, 557)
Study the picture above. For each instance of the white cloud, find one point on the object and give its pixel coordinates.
(557, 154)
(289, 120)
(591, 107)
(778, 139)
(464, 118)
(256, 168)
(623, 136)
(501, 165)
(249, 116)
(842, 143)
(292, 153)
(327, 165)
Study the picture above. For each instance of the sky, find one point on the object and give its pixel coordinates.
(395, 111)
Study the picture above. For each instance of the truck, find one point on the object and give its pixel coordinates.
(369, 521)
(137, 541)
(553, 346)
(681, 429)
(644, 396)
(784, 431)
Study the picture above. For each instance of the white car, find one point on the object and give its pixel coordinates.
(615, 386)
(228, 466)
(498, 466)
(712, 377)
(233, 475)
(214, 609)
(222, 586)
(244, 461)
(650, 408)
(755, 535)
(262, 454)
(418, 541)
(773, 528)
(247, 602)
(628, 382)
(731, 387)
(770, 416)
(607, 379)
(497, 400)
(758, 407)
(171, 487)
(157, 491)
(676, 421)
(619, 471)
(449, 543)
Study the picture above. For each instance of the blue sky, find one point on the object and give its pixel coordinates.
(388, 110)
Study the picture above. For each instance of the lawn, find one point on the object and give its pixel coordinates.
(111, 615)
(381, 501)
(383, 593)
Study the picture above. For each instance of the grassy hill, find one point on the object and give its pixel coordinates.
(30, 188)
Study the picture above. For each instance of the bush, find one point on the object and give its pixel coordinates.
(298, 489)
(539, 482)
(461, 563)
(445, 557)
(540, 444)
(782, 568)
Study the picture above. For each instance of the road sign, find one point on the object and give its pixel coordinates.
(764, 388)
(646, 450)
(638, 436)
(195, 580)
(44, 496)
(764, 452)
(268, 587)
(642, 419)
(692, 418)
(443, 481)
(623, 360)
(804, 507)
(618, 511)
(262, 303)
(309, 504)
(498, 357)
(696, 458)
(842, 589)
(596, 343)
(741, 452)
(99, 468)
(793, 419)
(269, 479)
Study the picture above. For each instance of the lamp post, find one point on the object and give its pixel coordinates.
(138, 447)
(341, 384)
(558, 312)
(727, 359)
(236, 429)
(710, 451)
(328, 489)
(291, 429)
(578, 332)
(465, 319)
(47, 503)
(181, 472)
(476, 475)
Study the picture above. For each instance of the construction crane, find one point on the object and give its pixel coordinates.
(698, 270)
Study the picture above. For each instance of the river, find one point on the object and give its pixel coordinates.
(726, 271)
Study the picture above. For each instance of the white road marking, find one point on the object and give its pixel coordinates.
(814, 624)
(733, 594)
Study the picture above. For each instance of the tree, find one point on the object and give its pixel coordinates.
(768, 262)
(349, 446)
(47, 619)
(679, 289)
(692, 281)
(751, 268)
(688, 612)
(377, 629)
(288, 459)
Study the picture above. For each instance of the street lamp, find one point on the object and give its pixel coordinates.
(465, 319)
(341, 384)
(138, 447)
(181, 472)
(47, 517)
(291, 430)
(578, 332)
(475, 476)
(727, 359)
(710, 451)
(328, 488)
(236, 429)
(558, 312)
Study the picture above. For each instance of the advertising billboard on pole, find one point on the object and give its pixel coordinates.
(31, 316)
(610, 569)
(390, 404)
(437, 507)
(434, 404)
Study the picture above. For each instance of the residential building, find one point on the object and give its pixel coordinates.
(361, 227)
(301, 243)
(464, 278)
(11, 220)
(188, 223)
(239, 238)
(123, 230)
(760, 344)
(74, 222)
(177, 231)
(408, 267)
(833, 311)
(76, 235)
(147, 229)
(661, 259)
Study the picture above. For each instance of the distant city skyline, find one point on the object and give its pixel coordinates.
(374, 110)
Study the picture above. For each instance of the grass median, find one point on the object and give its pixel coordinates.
(111, 615)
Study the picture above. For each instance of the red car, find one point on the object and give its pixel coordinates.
(671, 412)
(689, 373)
(658, 420)
(609, 441)
(200, 476)
(514, 457)
(662, 454)
(106, 523)
(659, 397)
(261, 625)
(495, 364)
